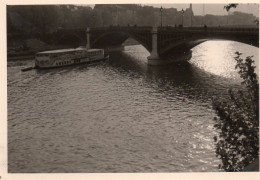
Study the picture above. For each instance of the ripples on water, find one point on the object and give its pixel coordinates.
(120, 115)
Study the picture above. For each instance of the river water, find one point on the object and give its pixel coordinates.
(120, 115)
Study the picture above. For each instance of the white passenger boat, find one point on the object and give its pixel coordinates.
(67, 57)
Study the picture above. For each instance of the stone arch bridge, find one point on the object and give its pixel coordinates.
(165, 44)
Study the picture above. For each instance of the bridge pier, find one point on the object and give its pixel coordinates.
(154, 58)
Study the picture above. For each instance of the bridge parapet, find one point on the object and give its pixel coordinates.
(167, 28)
(122, 28)
(209, 29)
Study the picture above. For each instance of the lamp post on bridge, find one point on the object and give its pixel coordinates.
(88, 38)
(228, 17)
(182, 12)
(161, 14)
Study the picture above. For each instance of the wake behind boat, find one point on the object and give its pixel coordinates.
(66, 57)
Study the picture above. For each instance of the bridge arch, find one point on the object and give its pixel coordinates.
(189, 43)
(71, 38)
(117, 38)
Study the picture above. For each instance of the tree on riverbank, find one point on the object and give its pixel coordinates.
(238, 120)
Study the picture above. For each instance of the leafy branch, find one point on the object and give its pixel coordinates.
(237, 144)
(229, 6)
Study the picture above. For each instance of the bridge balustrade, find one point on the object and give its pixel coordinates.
(208, 29)
(165, 29)
(125, 28)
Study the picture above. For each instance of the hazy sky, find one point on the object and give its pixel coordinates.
(216, 9)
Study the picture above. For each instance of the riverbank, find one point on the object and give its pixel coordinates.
(26, 49)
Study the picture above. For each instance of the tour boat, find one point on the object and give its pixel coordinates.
(67, 57)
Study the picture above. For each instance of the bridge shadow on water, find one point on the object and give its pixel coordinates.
(182, 78)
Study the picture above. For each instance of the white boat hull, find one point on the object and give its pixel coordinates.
(67, 57)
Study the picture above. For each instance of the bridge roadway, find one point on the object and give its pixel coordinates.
(165, 44)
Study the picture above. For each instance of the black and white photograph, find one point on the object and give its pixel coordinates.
(136, 88)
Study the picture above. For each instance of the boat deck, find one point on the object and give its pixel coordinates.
(66, 50)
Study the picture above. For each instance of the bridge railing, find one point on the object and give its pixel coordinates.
(125, 28)
(210, 29)
(169, 29)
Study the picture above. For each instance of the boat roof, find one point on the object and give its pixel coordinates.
(67, 50)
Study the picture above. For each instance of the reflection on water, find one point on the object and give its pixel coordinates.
(217, 57)
(120, 115)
